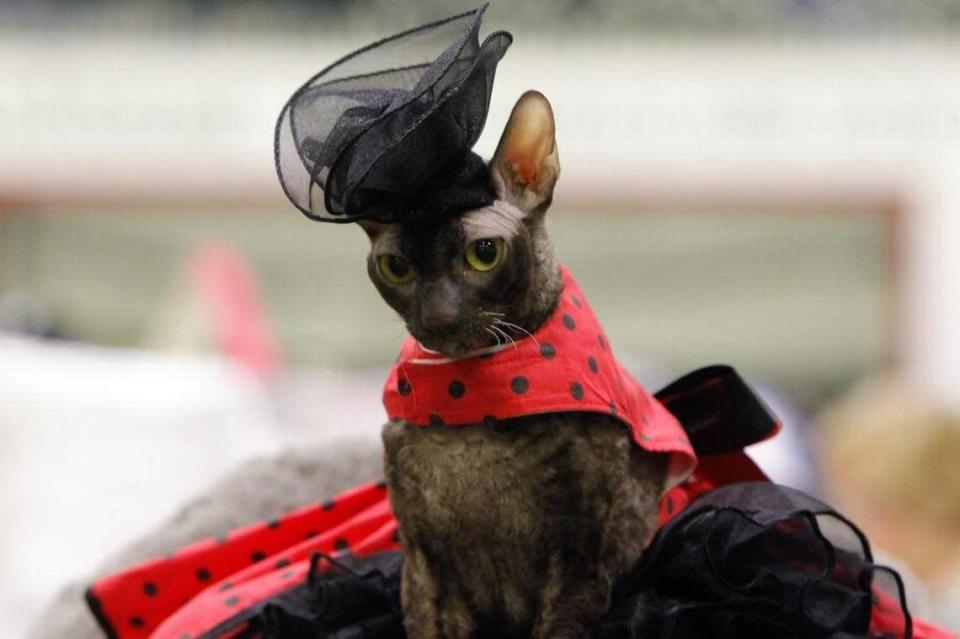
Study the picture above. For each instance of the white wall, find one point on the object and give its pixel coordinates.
(98, 446)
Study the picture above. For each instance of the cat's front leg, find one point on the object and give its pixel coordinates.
(429, 611)
(573, 600)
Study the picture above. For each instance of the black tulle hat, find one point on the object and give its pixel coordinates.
(386, 132)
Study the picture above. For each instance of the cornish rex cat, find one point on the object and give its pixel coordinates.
(518, 527)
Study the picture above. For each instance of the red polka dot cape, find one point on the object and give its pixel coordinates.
(567, 365)
(217, 588)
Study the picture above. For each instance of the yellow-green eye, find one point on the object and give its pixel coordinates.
(395, 269)
(484, 255)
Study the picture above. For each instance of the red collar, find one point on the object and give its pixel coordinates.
(567, 365)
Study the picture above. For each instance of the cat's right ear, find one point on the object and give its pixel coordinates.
(526, 165)
(371, 228)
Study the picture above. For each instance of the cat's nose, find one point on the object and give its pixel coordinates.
(438, 315)
(439, 305)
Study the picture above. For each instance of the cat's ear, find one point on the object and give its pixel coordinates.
(372, 228)
(526, 165)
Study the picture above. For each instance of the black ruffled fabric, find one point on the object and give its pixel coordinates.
(746, 561)
(757, 560)
(355, 598)
(386, 132)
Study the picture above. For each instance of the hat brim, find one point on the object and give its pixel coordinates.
(362, 138)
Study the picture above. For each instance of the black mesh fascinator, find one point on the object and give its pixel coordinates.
(386, 132)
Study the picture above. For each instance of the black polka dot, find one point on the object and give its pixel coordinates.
(457, 389)
(150, 589)
(436, 420)
(257, 555)
(232, 600)
(576, 390)
(273, 523)
(568, 322)
(137, 622)
(403, 386)
(287, 575)
(602, 342)
(576, 302)
(520, 385)
(547, 350)
(381, 485)
(341, 544)
(282, 563)
(225, 586)
(328, 505)
(592, 363)
(489, 421)
(310, 535)
(203, 574)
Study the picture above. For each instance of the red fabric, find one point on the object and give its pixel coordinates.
(567, 365)
(207, 583)
(712, 471)
(924, 630)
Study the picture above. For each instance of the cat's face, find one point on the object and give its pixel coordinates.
(462, 284)
(486, 276)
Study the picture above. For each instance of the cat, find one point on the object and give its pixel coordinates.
(518, 527)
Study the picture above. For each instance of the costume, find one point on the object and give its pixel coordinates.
(567, 366)
(734, 556)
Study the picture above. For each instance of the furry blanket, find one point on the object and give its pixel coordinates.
(259, 489)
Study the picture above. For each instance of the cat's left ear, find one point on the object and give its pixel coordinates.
(526, 165)
(371, 228)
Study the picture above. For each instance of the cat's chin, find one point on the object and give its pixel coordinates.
(453, 348)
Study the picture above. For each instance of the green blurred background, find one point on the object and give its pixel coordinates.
(800, 298)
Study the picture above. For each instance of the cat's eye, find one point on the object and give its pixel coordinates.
(395, 269)
(484, 255)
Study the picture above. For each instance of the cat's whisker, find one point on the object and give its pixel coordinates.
(495, 336)
(517, 327)
(505, 334)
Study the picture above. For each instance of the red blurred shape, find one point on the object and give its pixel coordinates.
(228, 288)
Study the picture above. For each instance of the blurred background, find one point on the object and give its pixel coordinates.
(767, 183)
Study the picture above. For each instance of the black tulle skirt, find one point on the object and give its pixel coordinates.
(751, 560)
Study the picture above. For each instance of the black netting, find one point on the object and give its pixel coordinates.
(387, 131)
(757, 560)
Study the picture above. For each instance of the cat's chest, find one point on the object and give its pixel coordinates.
(514, 474)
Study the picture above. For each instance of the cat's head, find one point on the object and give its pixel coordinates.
(486, 275)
